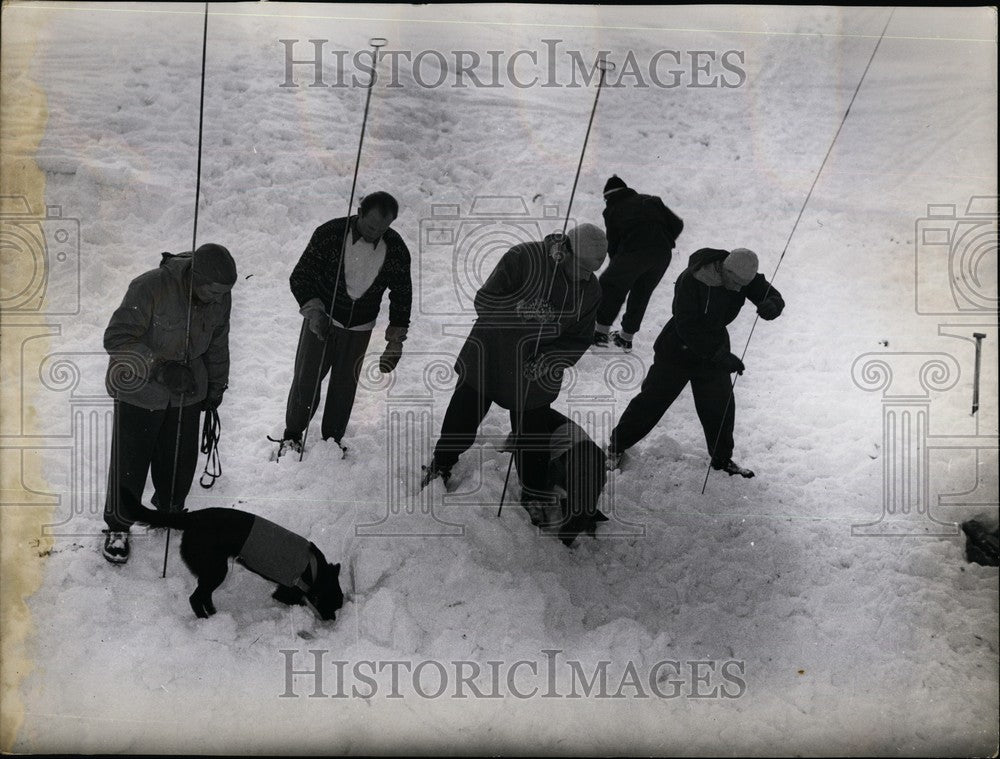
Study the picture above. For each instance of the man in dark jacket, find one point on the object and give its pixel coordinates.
(642, 233)
(694, 347)
(169, 358)
(544, 289)
(339, 284)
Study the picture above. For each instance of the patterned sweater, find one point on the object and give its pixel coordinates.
(315, 275)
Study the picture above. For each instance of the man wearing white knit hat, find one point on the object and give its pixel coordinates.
(694, 347)
(536, 315)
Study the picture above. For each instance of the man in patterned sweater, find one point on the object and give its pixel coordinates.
(339, 286)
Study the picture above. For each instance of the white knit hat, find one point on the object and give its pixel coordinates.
(742, 264)
(590, 244)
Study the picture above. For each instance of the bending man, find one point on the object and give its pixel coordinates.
(694, 347)
(545, 288)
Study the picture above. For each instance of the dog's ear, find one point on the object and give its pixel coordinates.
(336, 569)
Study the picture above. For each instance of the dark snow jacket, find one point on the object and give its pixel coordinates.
(503, 338)
(640, 225)
(701, 313)
(150, 326)
(315, 274)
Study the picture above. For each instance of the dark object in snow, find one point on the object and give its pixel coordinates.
(979, 336)
(211, 536)
(981, 545)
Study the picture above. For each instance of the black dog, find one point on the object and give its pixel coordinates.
(212, 536)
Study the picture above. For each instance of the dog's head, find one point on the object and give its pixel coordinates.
(325, 595)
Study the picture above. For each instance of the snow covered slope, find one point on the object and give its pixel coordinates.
(841, 643)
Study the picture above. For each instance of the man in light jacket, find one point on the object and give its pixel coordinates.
(168, 343)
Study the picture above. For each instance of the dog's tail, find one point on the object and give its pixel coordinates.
(135, 511)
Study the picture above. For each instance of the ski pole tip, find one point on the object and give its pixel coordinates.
(378, 42)
(603, 64)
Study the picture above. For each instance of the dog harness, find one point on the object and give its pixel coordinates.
(276, 553)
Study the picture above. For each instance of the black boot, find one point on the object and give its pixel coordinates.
(730, 466)
(432, 471)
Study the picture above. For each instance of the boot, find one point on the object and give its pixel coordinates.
(287, 443)
(621, 342)
(731, 467)
(115, 547)
(432, 471)
(613, 459)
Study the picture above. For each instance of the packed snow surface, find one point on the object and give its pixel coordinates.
(812, 639)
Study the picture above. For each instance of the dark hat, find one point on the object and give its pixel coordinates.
(213, 263)
(614, 184)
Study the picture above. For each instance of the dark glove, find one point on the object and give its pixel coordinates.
(214, 398)
(317, 318)
(319, 324)
(732, 363)
(177, 377)
(769, 309)
(390, 356)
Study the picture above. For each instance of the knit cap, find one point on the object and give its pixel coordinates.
(213, 263)
(590, 244)
(741, 264)
(613, 185)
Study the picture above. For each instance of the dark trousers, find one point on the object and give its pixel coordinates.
(635, 278)
(466, 411)
(144, 440)
(673, 367)
(342, 361)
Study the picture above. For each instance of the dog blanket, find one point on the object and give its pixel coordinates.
(276, 553)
